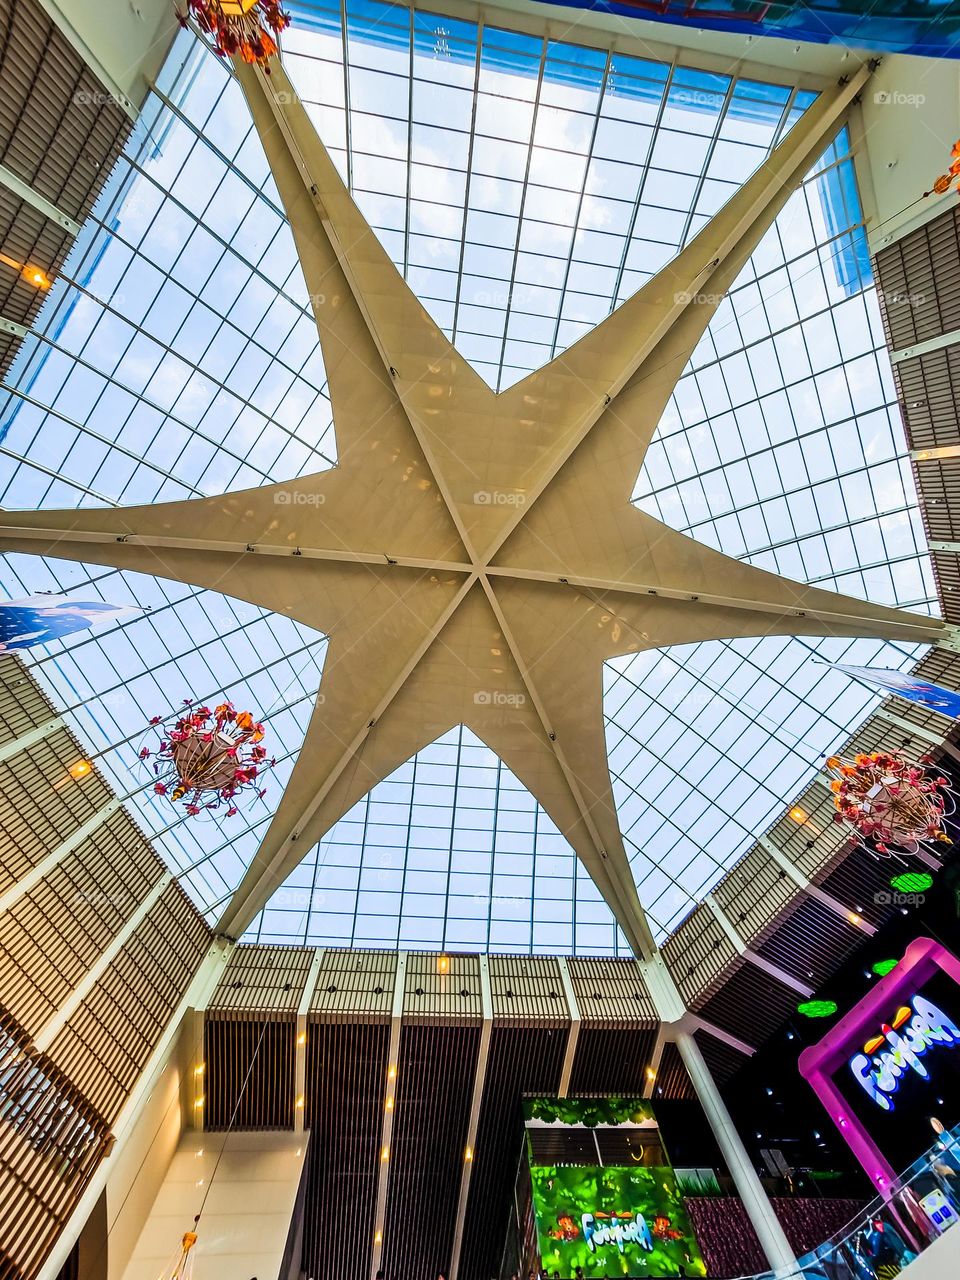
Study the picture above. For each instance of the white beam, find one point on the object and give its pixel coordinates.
(52, 1028)
(29, 739)
(196, 996)
(921, 348)
(573, 1035)
(476, 1100)
(47, 863)
(300, 1047)
(23, 191)
(748, 953)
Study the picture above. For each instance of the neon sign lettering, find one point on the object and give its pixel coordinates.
(617, 1229)
(899, 1047)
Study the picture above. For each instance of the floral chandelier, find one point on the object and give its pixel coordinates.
(240, 27)
(209, 759)
(946, 180)
(894, 806)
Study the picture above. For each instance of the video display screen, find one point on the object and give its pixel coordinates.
(609, 1219)
(907, 1072)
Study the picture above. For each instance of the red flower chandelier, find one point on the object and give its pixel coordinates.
(894, 806)
(241, 27)
(946, 180)
(209, 759)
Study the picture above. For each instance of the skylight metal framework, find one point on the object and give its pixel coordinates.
(527, 294)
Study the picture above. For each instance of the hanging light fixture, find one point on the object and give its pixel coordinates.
(946, 180)
(245, 28)
(208, 759)
(895, 806)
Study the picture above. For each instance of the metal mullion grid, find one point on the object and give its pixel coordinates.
(645, 170)
(406, 194)
(226, 245)
(361, 860)
(697, 788)
(347, 112)
(83, 429)
(583, 190)
(22, 460)
(698, 189)
(523, 200)
(493, 860)
(469, 178)
(141, 397)
(173, 661)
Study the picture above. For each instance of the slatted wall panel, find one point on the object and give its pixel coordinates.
(22, 705)
(750, 1005)
(755, 892)
(919, 282)
(107, 1043)
(672, 1079)
(434, 1083)
(699, 954)
(521, 1061)
(53, 934)
(722, 1059)
(527, 991)
(355, 986)
(863, 883)
(41, 804)
(60, 133)
(612, 1060)
(611, 992)
(249, 1071)
(430, 996)
(51, 1142)
(345, 1093)
(810, 942)
(261, 978)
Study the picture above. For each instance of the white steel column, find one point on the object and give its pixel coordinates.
(389, 1110)
(573, 1035)
(30, 738)
(759, 1210)
(300, 1050)
(479, 1080)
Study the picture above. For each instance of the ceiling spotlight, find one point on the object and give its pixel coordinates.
(80, 769)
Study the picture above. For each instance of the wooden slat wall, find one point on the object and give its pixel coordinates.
(41, 804)
(107, 1043)
(527, 991)
(50, 938)
(354, 986)
(54, 933)
(611, 993)
(51, 1142)
(61, 134)
(346, 1083)
(434, 1081)
(522, 1060)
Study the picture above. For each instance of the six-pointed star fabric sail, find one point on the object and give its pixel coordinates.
(474, 558)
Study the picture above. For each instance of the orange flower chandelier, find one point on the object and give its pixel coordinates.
(209, 760)
(240, 27)
(895, 806)
(946, 180)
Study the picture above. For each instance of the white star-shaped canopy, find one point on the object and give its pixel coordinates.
(474, 558)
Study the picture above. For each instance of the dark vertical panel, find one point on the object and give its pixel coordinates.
(612, 1060)
(249, 1067)
(523, 1060)
(434, 1086)
(346, 1078)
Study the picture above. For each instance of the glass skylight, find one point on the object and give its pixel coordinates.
(524, 187)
